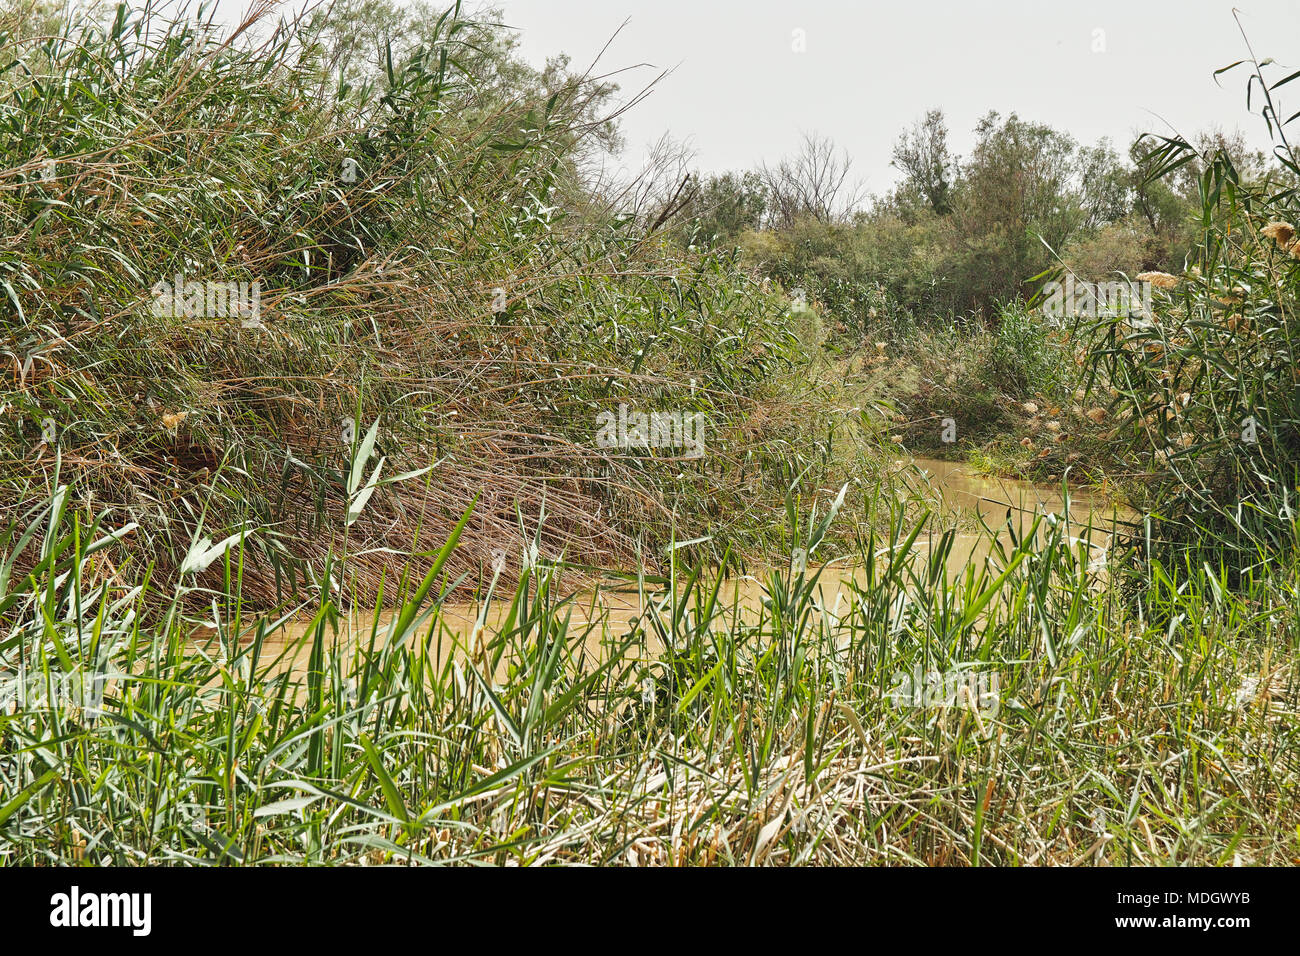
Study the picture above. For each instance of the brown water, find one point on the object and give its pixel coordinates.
(963, 501)
(979, 500)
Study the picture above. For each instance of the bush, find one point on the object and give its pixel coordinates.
(1026, 356)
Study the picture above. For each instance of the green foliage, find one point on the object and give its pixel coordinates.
(1026, 189)
(959, 237)
(229, 631)
(724, 207)
(1025, 357)
(928, 164)
(1206, 394)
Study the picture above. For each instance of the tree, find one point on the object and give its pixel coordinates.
(1105, 186)
(925, 159)
(1026, 188)
(814, 184)
(726, 205)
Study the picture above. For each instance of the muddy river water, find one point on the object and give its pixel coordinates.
(965, 498)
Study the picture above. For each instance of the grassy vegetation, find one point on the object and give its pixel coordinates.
(429, 260)
(1206, 396)
(234, 558)
(1156, 730)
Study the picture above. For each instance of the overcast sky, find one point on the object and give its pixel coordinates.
(741, 92)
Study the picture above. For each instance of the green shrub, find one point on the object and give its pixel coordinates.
(1025, 356)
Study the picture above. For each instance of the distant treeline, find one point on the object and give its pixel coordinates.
(959, 235)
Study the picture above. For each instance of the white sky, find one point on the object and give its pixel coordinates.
(740, 95)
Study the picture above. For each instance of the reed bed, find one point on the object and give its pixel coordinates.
(1157, 729)
(430, 258)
